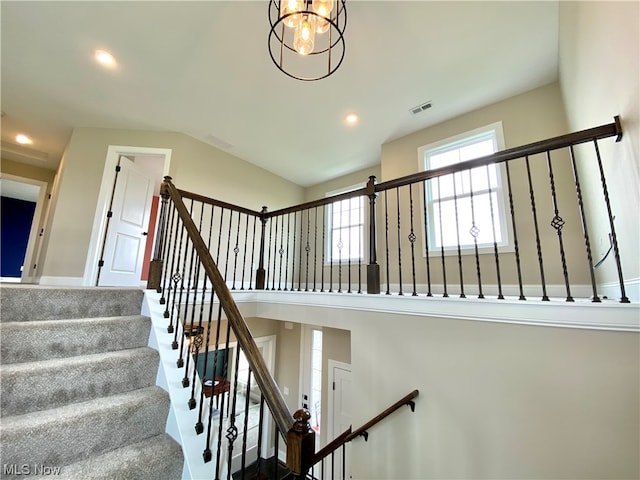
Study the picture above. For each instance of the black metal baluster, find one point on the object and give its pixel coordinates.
(315, 247)
(200, 425)
(293, 253)
(274, 222)
(281, 252)
(444, 270)
(253, 251)
(386, 238)
(286, 261)
(412, 240)
(307, 249)
(300, 263)
(219, 236)
(236, 250)
(169, 270)
(245, 424)
(177, 278)
(331, 252)
(232, 430)
(557, 222)
(350, 248)
(585, 230)
(455, 208)
(187, 291)
(244, 254)
(515, 233)
(260, 432)
(344, 461)
(614, 237)
(275, 252)
(324, 249)
(163, 245)
(361, 225)
(493, 231)
(426, 237)
(400, 292)
(266, 283)
(475, 231)
(340, 245)
(228, 249)
(276, 446)
(545, 298)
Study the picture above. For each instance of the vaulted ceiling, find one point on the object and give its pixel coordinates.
(203, 69)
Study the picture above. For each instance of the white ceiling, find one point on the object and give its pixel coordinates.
(203, 69)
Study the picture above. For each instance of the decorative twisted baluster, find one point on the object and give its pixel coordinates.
(426, 238)
(455, 207)
(585, 229)
(444, 269)
(515, 233)
(399, 243)
(493, 231)
(412, 240)
(614, 237)
(534, 213)
(557, 222)
(475, 231)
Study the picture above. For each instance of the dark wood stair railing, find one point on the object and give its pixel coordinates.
(267, 384)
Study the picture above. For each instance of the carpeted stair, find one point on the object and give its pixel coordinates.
(78, 387)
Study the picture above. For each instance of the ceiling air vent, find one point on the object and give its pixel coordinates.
(421, 108)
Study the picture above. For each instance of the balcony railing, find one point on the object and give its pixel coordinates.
(388, 238)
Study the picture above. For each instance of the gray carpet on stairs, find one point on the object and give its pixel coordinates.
(78, 386)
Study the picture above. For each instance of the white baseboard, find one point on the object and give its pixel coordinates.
(62, 281)
(10, 279)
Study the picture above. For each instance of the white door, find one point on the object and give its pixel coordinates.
(127, 228)
(341, 413)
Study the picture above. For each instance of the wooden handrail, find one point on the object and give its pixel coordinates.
(218, 203)
(349, 434)
(268, 386)
(562, 141)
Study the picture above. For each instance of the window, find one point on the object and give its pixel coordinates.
(468, 206)
(345, 227)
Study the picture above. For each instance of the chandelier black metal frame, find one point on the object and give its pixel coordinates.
(306, 41)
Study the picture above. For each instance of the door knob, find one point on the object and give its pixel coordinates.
(144, 233)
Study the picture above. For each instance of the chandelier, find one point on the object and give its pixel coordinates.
(306, 40)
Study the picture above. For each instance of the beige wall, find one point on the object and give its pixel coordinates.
(600, 75)
(496, 400)
(195, 166)
(28, 171)
(359, 178)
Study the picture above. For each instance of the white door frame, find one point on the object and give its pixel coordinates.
(100, 219)
(32, 251)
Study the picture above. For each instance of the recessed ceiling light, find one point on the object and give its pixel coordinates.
(352, 118)
(105, 58)
(23, 139)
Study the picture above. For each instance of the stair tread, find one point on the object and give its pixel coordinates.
(155, 458)
(78, 431)
(34, 386)
(69, 337)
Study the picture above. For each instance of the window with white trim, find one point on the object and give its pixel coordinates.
(345, 227)
(468, 206)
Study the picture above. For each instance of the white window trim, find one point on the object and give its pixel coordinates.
(507, 245)
(328, 215)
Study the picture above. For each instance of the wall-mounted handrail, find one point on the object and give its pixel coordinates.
(267, 384)
(349, 434)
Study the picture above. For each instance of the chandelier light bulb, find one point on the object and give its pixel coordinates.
(291, 6)
(304, 35)
(323, 7)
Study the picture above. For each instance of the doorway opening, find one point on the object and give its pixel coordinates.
(127, 251)
(23, 202)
